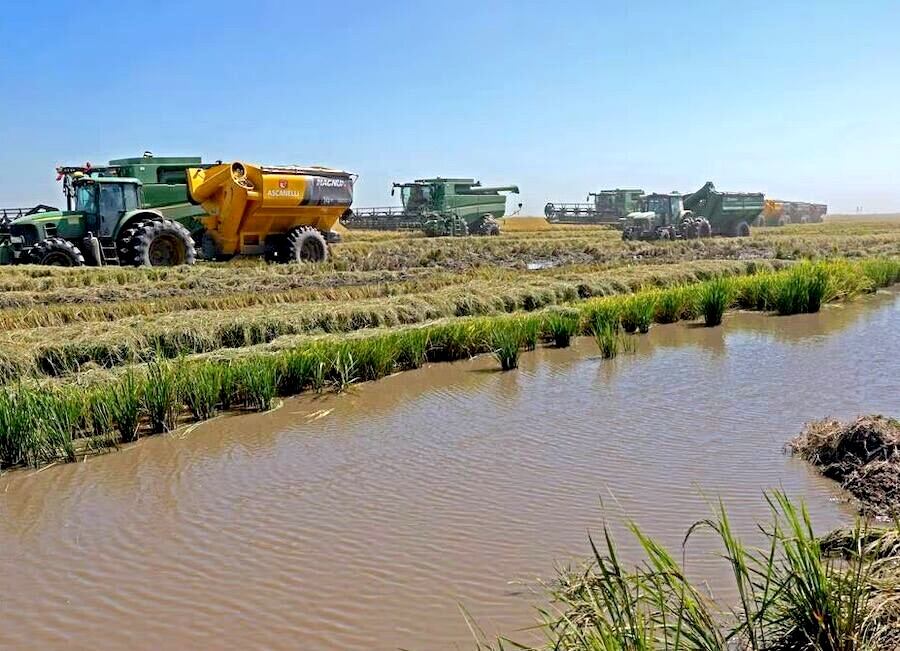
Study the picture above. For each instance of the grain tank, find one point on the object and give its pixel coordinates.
(728, 213)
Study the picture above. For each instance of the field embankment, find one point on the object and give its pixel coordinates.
(864, 456)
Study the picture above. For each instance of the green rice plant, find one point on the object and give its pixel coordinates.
(603, 313)
(791, 594)
(506, 340)
(375, 357)
(670, 306)
(295, 372)
(63, 418)
(258, 381)
(608, 339)
(714, 298)
(412, 347)
(755, 292)
(21, 437)
(639, 310)
(125, 401)
(230, 386)
(561, 326)
(802, 289)
(201, 388)
(100, 412)
(530, 331)
(343, 370)
(161, 400)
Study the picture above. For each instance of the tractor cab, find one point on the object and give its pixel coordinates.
(668, 208)
(103, 201)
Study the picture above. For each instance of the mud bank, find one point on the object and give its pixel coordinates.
(864, 456)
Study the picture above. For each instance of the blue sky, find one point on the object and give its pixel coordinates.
(796, 99)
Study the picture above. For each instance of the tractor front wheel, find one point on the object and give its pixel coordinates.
(704, 229)
(156, 243)
(305, 244)
(56, 252)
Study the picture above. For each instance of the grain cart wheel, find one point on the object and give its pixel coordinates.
(305, 244)
(742, 229)
(56, 252)
(156, 243)
(488, 226)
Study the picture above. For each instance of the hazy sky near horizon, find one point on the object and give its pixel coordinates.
(796, 99)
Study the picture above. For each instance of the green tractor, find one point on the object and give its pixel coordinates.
(135, 211)
(440, 207)
(663, 217)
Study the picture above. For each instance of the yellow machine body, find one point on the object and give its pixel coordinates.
(247, 203)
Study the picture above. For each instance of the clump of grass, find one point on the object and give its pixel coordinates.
(638, 311)
(803, 289)
(792, 593)
(561, 326)
(125, 400)
(258, 379)
(530, 329)
(608, 340)
(603, 313)
(413, 347)
(715, 296)
(672, 304)
(161, 400)
(506, 341)
(201, 389)
(344, 370)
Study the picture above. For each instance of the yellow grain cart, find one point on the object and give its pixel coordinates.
(285, 213)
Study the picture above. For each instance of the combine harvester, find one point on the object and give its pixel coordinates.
(439, 207)
(703, 213)
(606, 207)
(781, 213)
(152, 211)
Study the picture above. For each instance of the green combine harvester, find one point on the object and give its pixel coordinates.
(439, 207)
(134, 211)
(604, 207)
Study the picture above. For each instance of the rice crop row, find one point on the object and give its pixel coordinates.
(39, 423)
(796, 591)
(64, 350)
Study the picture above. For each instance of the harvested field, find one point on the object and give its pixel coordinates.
(405, 299)
(864, 456)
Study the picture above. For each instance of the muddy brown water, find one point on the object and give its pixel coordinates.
(369, 520)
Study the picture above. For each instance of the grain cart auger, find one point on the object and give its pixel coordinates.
(285, 213)
(604, 207)
(439, 207)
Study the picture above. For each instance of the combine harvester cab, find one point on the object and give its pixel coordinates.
(728, 213)
(285, 213)
(439, 207)
(604, 207)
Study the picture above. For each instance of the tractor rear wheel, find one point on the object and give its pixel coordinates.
(305, 244)
(156, 243)
(56, 252)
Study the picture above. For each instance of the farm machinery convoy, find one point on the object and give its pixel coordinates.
(163, 211)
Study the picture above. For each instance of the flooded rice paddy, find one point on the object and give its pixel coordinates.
(368, 520)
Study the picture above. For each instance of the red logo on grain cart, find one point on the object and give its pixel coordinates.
(283, 184)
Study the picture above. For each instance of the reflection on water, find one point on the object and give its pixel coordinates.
(362, 521)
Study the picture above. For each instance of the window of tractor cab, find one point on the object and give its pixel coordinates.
(112, 200)
(132, 201)
(86, 197)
